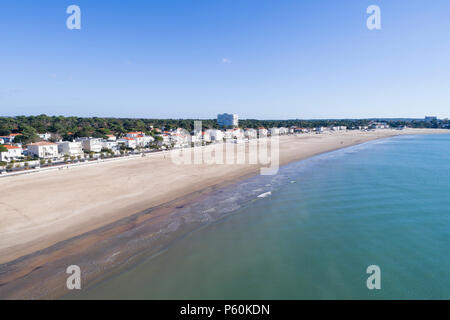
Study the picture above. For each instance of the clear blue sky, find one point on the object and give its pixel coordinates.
(194, 59)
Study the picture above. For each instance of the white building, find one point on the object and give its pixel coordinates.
(274, 131)
(251, 134)
(45, 136)
(43, 149)
(128, 142)
(91, 144)
(111, 137)
(142, 140)
(70, 148)
(111, 145)
(228, 120)
(216, 135)
(13, 153)
(262, 132)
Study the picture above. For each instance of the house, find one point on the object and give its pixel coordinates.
(148, 140)
(141, 139)
(110, 145)
(13, 153)
(91, 144)
(274, 131)
(10, 138)
(70, 148)
(45, 136)
(111, 137)
(322, 129)
(262, 132)
(237, 133)
(251, 134)
(206, 137)
(216, 135)
(43, 149)
(128, 142)
(134, 134)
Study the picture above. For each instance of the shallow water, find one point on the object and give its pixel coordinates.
(319, 225)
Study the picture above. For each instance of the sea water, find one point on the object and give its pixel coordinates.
(312, 231)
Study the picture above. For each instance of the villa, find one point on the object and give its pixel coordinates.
(134, 134)
(216, 135)
(251, 134)
(45, 136)
(262, 132)
(10, 138)
(70, 148)
(111, 137)
(91, 144)
(111, 145)
(43, 149)
(128, 142)
(13, 153)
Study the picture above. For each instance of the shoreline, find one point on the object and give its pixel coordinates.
(21, 276)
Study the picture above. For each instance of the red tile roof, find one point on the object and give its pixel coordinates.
(42, 143)
(9, 147)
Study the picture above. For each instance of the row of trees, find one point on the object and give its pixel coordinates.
(71, 127)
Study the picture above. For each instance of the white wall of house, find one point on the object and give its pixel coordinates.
(45, 136)
(112, 145)
(47, 151)
(216, 135)
(251, 134)
(70, 148)
(11, 154)
(91, 144)
(129, 143)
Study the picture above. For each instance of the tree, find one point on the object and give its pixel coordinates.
(28, 135)
(2, 149)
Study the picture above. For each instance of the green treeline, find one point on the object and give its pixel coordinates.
(72, 127)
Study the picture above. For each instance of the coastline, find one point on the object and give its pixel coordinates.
(24, 267)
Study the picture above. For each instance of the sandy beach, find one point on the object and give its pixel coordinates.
(48, 208)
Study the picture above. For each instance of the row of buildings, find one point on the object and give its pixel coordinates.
(179, 138)
(53, 150)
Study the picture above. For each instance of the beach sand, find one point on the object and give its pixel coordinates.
(45, 209)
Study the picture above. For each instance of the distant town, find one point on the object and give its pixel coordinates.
(43, 141)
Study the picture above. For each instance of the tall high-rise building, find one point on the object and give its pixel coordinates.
(228, 120)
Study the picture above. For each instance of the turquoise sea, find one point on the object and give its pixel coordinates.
(328, 218)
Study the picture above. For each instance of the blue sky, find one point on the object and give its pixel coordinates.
(196, 58)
